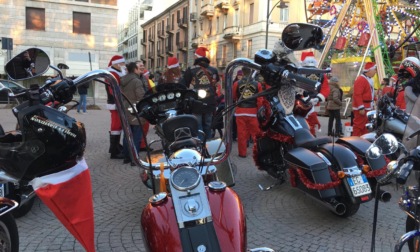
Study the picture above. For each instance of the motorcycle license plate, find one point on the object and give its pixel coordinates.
(1, 190)
(359, 185)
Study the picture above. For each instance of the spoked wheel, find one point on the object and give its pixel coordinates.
(9, 237)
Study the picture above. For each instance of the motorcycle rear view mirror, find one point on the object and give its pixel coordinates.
(28, 64)
(300, 36)
(384, 145)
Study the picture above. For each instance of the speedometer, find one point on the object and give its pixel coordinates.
(154, 99)
(185, 178)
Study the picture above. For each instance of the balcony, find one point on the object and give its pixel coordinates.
(169, 29)
(161, 53)
(221, 62)
(207, 11)
(143, 57)
(150, 55)
(232, 33)
(170, 50)
(161, 34)
(223, 5)
(183, 46)
(183, 22)
(143, 41)
(193, 17)
(152, 38)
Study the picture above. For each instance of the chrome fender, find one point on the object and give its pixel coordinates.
(7, 205)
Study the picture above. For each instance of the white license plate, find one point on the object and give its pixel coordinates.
(359, 185)
(1, 190)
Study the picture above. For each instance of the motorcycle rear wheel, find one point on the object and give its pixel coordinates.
(9, 236)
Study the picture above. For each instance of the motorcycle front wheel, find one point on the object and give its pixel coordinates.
(9, 237)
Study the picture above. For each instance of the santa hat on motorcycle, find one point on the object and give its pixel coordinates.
(173, 62)
(369, 66)
(201, 52)
(308, 59)
(115, 60)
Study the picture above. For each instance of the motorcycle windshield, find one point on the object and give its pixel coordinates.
(412, 130)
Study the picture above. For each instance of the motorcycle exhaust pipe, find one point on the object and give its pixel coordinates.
(384, 196)
(337, 207)
(333, 205)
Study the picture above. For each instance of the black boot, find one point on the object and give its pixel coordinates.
(114, 148)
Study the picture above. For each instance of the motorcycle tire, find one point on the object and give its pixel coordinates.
(23, 209)
(413, 244)
(351, 209)
(9, 236)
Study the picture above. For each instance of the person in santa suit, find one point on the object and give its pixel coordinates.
(363, 98)
(308, 60)
(246, 112)
(116, 67)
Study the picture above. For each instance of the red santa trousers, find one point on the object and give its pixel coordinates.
(115, 123)
(247, 126)
(312, 120)
(359, 124)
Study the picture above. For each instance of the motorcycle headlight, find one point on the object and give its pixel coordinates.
(202, 93)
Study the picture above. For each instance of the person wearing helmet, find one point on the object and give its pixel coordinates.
(409, 70)
(363, 97)
(308, 60)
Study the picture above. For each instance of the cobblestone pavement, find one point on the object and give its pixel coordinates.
(282, 218)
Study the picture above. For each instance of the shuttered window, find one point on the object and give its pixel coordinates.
(35, 19)
(81, 23)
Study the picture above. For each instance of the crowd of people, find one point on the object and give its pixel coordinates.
(135, 81)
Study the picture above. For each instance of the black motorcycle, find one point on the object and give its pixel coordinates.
(333, 173)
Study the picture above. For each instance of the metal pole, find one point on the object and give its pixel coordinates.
(267, 21)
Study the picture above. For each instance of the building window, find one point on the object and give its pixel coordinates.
(224, 21)
(284, 15)
(108, 2)
(81, 23)
(249, 49)
(35, 19)
(217, 25)
(236, 18)
(251, 13)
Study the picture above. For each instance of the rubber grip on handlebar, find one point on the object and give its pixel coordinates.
(305, 83)
(405, 171)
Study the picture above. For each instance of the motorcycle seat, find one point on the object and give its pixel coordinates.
(184, 143)
(304, 138)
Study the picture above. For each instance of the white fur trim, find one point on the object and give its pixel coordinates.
(199, 56)
(111, 107)
(321, 97)
(115, 132)
(173, 66)
(246, 114)
(118, 61)
(60, 177)
(367, 70)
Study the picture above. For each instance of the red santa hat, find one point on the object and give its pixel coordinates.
(172, 62)
(308, 59)
(116, 59)
(201, 52)
(146, 72)
(369, 66)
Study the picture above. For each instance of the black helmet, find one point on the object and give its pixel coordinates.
(409, 67)
(48, 141)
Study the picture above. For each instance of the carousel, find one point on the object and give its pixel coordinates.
(354, 36)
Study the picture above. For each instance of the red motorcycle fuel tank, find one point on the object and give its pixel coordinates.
(162, 233)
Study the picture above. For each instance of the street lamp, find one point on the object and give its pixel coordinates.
(282, 5)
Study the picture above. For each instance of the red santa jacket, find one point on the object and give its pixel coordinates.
(324, 90)
(363, 94)
(111, 100)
